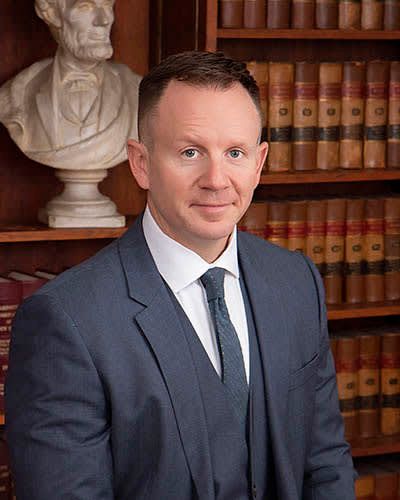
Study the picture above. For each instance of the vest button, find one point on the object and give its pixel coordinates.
(254, 491)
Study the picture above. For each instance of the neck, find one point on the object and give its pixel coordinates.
(68, 62)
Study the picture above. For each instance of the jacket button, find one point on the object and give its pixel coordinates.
(254, 491)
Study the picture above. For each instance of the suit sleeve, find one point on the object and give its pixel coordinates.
(56, 410)
(329, 473)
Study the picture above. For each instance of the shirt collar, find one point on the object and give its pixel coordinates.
(178, 265)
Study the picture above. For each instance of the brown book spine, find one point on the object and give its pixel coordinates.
(305, 116)
(376, 105)
(278, 16)
(393, 129)
(392, 247)
(347, 356)
(371, 14)
(316, 230)
(354, 254)
(349, 14)
(297, 226)
(333, 345)
(352, 115)
(386, 484)
(390, 383)
(391, 15)
(374, 250)
(231, 13)
(369, 385)
(259, 71)
(303, 12)
(255, 219)
(326, 14)
(277, 225)
(334, 249)
(254, 13)
(329, 104)
(280, 113)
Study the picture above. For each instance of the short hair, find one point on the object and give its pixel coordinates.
(200, 69)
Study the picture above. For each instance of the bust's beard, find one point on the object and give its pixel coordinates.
(99, 51)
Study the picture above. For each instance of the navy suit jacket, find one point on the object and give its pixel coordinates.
(103, 402)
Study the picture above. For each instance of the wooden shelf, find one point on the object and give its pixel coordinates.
(375, 446)
(341, 175)
(370, 310)
(308, 34)
(13, 234)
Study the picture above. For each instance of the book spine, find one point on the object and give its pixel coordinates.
(354, 242)
(297, 226)
(277, 225)
(371, 14)
(347, 354)
(255, 219)
(329, 104)
(231, 13)
(280, 113)
(385, 484)
(326, 14)
(374, 250)
(305, 116)
(349, 14)
(376, 104)
(392, 247)
(390, 383)
(391, 15)
(259, 71)
(316, 230)
(333, 345)
(254, 14)
(278, 16)
(369, 385)
(393, 129)
(352, 115)
(303, 12)
(334, 249)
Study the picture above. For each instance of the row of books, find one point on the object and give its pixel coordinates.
(368, 377)
(6, 487)
(330, 115)
(310, 14)
(354, 242)
(378, 478)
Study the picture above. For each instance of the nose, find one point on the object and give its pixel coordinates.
(214, 176)
(102, 17)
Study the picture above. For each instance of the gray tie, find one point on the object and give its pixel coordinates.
(232, 365)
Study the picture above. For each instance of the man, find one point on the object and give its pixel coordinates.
(76, 109)
(135, 376)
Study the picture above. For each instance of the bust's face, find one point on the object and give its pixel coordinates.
(86, 26)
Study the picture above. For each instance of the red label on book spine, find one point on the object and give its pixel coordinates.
(377, 90)
(330, 90)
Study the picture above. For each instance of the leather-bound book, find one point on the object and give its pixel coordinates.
(30, 283)
(392, 247)
(254, 13)
(371, 14)
(259, 71)
(278, 14)
(303, 14)
(365, 483)
(369, 384)
(333, 344)
(352, 115)
(376, 104)
(390, 383)
(391, 15)
(334, 249)
(255, 219)
(305, 116)
(231, 13)
(329, 104)
(374, 250)
(349, 14)
(316, 230)
(386, 483)
(326, 14)
(354, 251)
(393, 129)
(297, 225)
(280, 114)
(347, 359)
(277, 224)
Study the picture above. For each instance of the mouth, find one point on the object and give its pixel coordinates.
(211, 207)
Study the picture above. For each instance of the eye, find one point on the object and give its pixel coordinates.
(190, 153)
(235, 153)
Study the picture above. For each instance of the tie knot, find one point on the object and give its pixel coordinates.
(213, 282)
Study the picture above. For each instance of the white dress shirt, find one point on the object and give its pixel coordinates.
(181, 268)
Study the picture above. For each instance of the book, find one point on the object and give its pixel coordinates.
(393, 128)
(329, 105)
(354, 254)
(305, 116)
(391, 15)
(371, 14)
(349, 14)
(376, 104)
(392, 247)
(254, 13)
(365, 483)
(255, 219)
(390, 383)
(326, 14)
(277, 224)
(278, 14)
(44, 274)
(303, 14)
(29, 282)
(259, 71)
(297, 226)
(280, 112)
(374, 249)
(231, 13)
(316, 230)
(352, 115)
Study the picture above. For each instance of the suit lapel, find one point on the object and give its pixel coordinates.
(161, 326)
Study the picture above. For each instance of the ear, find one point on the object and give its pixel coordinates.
(50, 15)
(261, 156)
(138, 157)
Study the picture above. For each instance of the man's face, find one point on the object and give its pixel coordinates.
(86, 26)
(202, 164)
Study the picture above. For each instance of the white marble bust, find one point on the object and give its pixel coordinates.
(74, 111)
